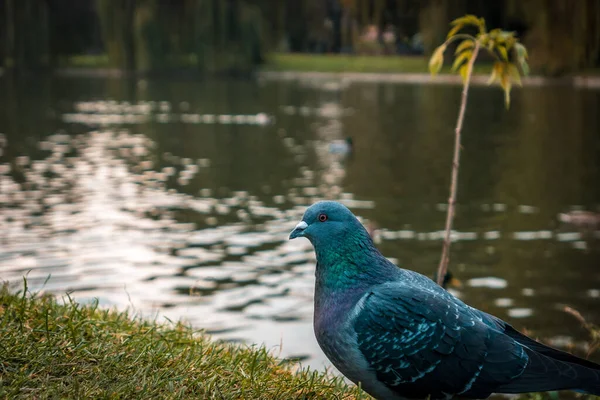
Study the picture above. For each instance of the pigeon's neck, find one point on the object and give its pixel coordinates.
(354, 263)
(347, 268)
(344, 274)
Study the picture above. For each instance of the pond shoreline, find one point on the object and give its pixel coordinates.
(577, 81)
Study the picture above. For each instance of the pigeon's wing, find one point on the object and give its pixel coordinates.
(422, 342)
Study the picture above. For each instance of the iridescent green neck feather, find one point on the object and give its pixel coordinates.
(349, 260)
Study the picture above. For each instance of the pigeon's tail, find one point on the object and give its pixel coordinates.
(544, 373)
(551, 369)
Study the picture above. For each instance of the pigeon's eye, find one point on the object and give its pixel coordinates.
(322, 217)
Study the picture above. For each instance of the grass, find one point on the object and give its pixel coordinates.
(354, 63)
(307, 63)
(344, 63)
(87, 61)
(51, 350)
(299, 62)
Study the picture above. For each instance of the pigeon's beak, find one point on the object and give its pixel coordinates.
(298, 230)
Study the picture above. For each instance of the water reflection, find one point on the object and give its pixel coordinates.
(177, 197)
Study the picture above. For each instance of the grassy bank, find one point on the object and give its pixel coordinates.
(300, 62)
(309, 63)
(344, 63)
(49, 350)
(354, 63)
(69, 351)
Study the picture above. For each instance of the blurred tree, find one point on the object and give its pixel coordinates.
(116, 21)
(234, 35)
(152, 35)
(73, 29)
(25, 34)
(563, 36)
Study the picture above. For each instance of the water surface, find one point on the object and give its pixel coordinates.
(176, 197)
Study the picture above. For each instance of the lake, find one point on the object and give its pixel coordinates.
(175, 197)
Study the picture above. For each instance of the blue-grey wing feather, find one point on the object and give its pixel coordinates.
(422, 341)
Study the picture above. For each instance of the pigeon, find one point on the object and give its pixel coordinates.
(401, 336)
(341, 146)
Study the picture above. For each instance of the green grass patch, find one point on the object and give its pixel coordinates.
(87, 61)
(355, 63)
(303, 63)
(344, 63)
(299, 62)
(72, 351)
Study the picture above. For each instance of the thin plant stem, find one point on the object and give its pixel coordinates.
(443, 267)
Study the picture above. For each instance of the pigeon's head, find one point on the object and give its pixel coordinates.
(328, 222)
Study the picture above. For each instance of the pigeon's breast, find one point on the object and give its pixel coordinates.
(338, 340)
(333, 324)
(334, 329)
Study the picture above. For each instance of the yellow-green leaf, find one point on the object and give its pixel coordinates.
(506, 35)
(493, 77)
(482, 26)
(461, 58)
(503, 52)
(458, 21)
(464, 45)
(522, 56)
(524, 67)
(454, 30)
(521, 51)
(469, 19)
(514, 74)
(483, 40)
(437, 60)
(497, 72)
(495, 33)
(510, 42)
(463, 72)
